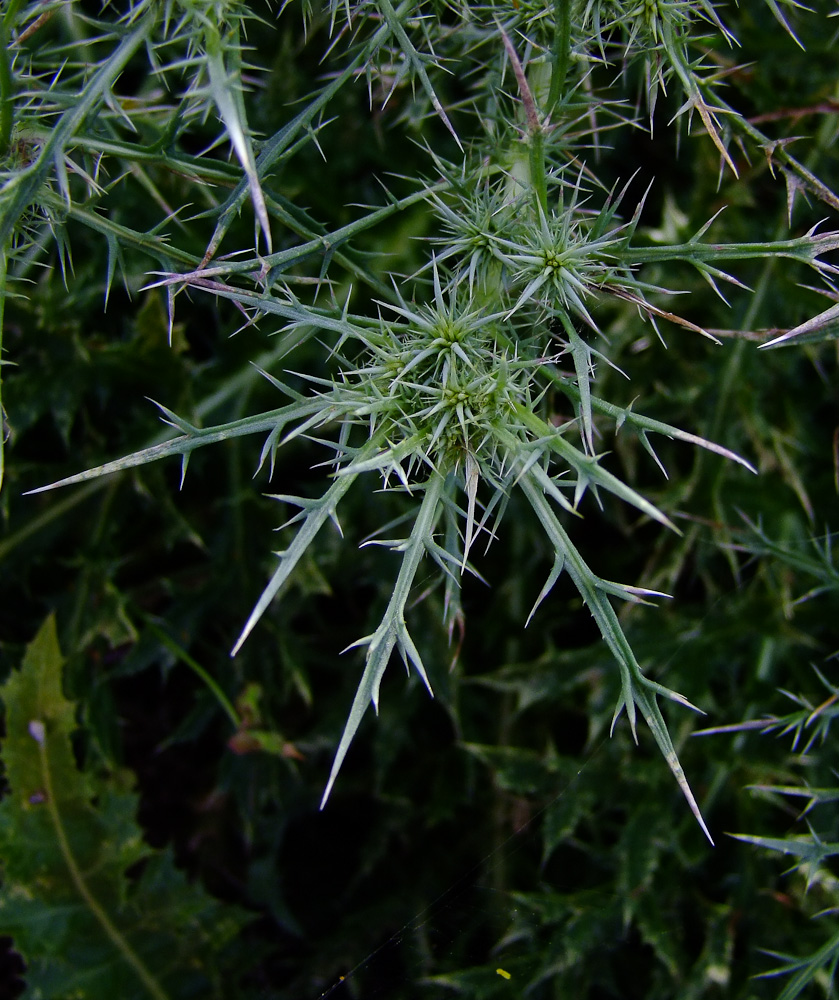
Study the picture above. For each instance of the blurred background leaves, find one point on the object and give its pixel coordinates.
(497, 826)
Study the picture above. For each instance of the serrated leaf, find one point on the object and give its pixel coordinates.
(68, 839)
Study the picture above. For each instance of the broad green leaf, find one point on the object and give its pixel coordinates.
(93, 910)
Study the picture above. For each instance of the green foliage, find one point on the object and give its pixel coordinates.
(809, 724)
(91, 908)
(439, 291)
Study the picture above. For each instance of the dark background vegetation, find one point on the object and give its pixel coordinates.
(499, 825)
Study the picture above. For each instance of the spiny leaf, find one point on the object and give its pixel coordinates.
(198, 438)
(314, 515)
(636, 689)
(27, 184)
(823, 327)
(581, 355)
(392, 630)
(393, 20)
(805, 969)
(228, 100)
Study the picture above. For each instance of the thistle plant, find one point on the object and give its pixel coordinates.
(448, 390)
(462, 303)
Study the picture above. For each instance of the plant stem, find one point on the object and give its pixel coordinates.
(177, 650)
(776, 150)
(561, 55)
(802, 249)
(538, 176)
(6, 82)
(123, 947)
(535, 133)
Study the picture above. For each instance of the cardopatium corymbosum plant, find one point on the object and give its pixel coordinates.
(445, 391)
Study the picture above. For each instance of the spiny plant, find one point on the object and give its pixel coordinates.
(809, 797)
(452, 387)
